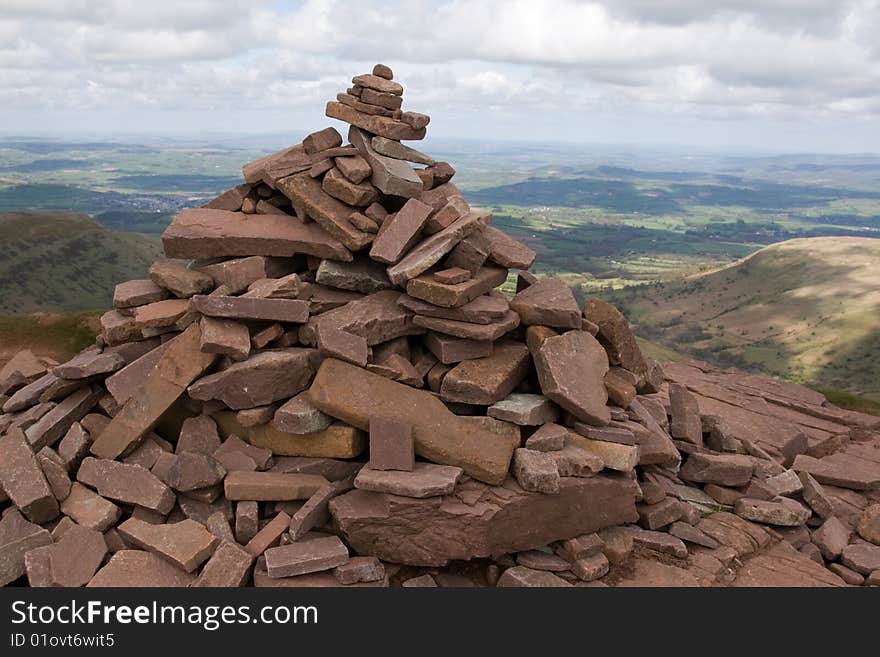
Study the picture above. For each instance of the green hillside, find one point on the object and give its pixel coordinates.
(53, 261)
(805, 309)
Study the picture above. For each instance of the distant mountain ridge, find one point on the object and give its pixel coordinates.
(65, 261)
(805, 309)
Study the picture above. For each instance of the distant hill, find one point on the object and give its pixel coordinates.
(806, 309)
(66, 261)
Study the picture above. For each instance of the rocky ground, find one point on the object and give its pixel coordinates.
(334, 392)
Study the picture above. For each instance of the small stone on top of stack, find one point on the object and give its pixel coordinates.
(336, 371)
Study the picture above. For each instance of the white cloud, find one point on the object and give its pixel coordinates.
(728, 59)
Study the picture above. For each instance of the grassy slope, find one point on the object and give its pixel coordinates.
(66, 261)
(807, 310)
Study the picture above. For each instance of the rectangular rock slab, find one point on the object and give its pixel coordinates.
(230, 565)
(306, 557)
(485, 309)
(22, 479)
(202, 233)
(126, 483)
(391, 445)
(89, 509)
(506, 251)
(354, 395)
(271, 486)
(425, 480)
(376, 317)
(17, 538)
(378, 125)
(450, 350)
(177, 368)
(53, 425)
(424, 287)
(466, 330)
(496, 520)
(293, 311)
(400, 232)
(186, 544)
(489, 379)
(337, 441)
(262, 379)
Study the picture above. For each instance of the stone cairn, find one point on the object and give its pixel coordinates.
(334, 392)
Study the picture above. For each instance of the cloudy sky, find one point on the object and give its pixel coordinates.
(775, 74)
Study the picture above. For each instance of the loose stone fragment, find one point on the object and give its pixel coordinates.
(130, 484)
(616, 336)
(685, 415)
(89, 364)
(786, 512)
(322, 140)
(23, 481)
(358, 195)
(831, 538)
(450, 350)
(452, 275)
(399, 233)
(269, 535)
(549, 438)
(227, 337)
(425, 480)
(186, 544)
(535, 471)
(661, 542)
(525, 410)
(868, 525)
(139, 569)
(587, 545)
(538, 560)
(619, 391)
(721, 469)
(271, 486)
(424, 287)
(230, 565)
(272, 310)
(299, 416)
(549, 302)
(180, 281)
(468, 331)
(262, 379)
(198, 434)
(506, 251)
(55, 470)
(487, 380)
(17, 538)
(89, 509)
(486, 309)
(864, 558)
(54, 424)
(361, 275)
(661, 514)
(351, 348)
(391, 445)
(305, 557)
(192, 471)
(420, 582)
(360, 569)
(571, 369)
(137, 293)
(691, 534)
(591, 568)
(521, 576)
(75, 558)
(377, 318)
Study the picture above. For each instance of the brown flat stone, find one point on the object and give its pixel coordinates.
(226, 337)
(361, 275)
(354, 395)
(75, 558)
(230, 565)
(548, 302)
(685, 415)
(179, 280)
(305, 557)
(489, 379)
(202, 233)
(490, 523)
(123, 482)
(286, 287)
(334, 441)
(377, 318)
(614, 456)
(137, 293)
(275, 166)
(231, 199)
(425, 480)
(322, 140)
(378, 125)
(469, 331)
(856, 476)
(22, 479)
(139, 569)
(452, 275)
(485, 309)
(186, 544)
(721, 469)
(17, 538)
(506, 251)
(123, 384)
(400, 232)
(271, 486)
(180, 364)
(525, 410)
(330, 213)
(315, 512)
(262, 379)
(424, 287)
(359, 195)
(89, 364)
(391, 445)
(351, 348)
(299, 416)
(616, 335)
(272, 310)
(355, 168)
(160, 314)
(238, 274)
(571, 369)
(89, 509)
(53, 425)
(449, 350)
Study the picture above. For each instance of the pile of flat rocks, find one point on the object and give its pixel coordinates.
(324, 385)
